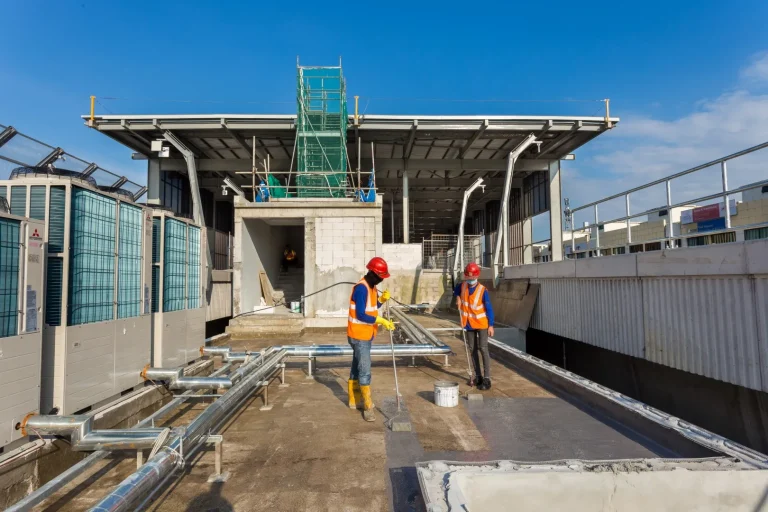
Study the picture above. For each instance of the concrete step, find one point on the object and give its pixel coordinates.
(279, 321)
(239, 333)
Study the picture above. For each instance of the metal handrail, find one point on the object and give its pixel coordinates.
(724, 194)
(677, 175)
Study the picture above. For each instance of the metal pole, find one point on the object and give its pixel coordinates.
(597, 233)
(671, 242)
(392, 220)
(724, 169)
(253, 169)
(629, 223)
(359, 176)
(513, 155)
(406, 215)
(459, 258)
(394, 364)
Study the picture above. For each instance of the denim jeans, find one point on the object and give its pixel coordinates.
(478, 340)
(361, 361)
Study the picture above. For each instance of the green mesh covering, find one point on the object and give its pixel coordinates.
(321, 132)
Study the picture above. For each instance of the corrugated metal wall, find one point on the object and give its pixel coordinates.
(612, 314)
(703, 325)
(558, 310)
(761, 314)
(715, 326)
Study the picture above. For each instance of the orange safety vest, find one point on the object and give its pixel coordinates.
(472, 308)
(289, 255)
(357, 329)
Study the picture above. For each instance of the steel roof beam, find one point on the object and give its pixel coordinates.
(561, 140)
(90, 169)
(473, 138)
(411, 139)
(52, 157)
(382, 165)
(7, 135)
(119, 183)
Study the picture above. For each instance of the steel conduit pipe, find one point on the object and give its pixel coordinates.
(428, 335)
(176, 379)
(141, 483)
(345, 351)
(47, 490)
(84, 438)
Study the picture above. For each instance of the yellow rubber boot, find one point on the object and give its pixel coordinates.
(367, 403)
(353, 388)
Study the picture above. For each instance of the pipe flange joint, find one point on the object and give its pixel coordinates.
(23, 424)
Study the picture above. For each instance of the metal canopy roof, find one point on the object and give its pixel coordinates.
(443, 154)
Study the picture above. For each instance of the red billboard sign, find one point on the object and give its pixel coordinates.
(708, 212)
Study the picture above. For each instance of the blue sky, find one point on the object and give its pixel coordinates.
(667, 67)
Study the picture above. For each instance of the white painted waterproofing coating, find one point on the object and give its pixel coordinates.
(624, 485)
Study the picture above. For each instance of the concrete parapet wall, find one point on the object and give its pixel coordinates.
(702, 309)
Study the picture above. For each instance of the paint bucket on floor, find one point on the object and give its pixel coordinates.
(446, 393)
(296, 307)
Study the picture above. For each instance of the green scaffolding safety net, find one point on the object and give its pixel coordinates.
(321, 144)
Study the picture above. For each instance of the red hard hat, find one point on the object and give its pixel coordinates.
(472, 270)
(379, 267)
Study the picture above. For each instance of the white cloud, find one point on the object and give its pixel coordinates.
(644, 148)
(757, 71)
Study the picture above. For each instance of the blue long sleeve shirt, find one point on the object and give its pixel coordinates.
(360, 298)
(486, 303)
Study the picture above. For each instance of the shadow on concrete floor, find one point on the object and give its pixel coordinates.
(331, 380)
(211, 501)
(428, 396)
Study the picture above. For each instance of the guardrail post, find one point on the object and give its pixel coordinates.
(629, 223)
(724, 169)
(671, 232)
(597, 233)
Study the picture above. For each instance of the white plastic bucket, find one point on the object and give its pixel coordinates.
(296, 307)
(446, 393)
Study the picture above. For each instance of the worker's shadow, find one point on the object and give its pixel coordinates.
(333, 382)
(211, 501)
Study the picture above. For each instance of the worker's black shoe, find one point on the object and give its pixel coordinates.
(478, 381)
(486, 384)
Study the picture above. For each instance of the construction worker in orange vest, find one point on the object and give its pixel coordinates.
(362, 324)
(477, 320)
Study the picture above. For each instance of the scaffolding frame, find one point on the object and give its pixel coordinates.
(322, 162)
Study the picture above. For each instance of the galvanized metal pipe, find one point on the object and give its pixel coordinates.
(346, 351)
(141, 483)
(84, 438)
(47, 490)
(177, 381)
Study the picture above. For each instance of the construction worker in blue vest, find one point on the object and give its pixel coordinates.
(477, 320)
(362, 324)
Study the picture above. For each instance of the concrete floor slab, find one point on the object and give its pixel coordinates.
(311, 452)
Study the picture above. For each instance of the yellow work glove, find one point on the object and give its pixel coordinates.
(384, 296)
(380, 320)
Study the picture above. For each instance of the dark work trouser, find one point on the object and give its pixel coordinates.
(479, 342)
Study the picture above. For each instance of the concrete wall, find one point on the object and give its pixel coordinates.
(409, 282)
(262, 249)
(341, 246)
(340, 236)
(699, 309)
